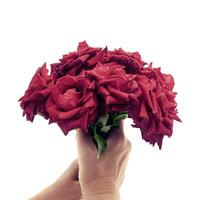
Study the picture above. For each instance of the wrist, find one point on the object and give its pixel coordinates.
(100, 188)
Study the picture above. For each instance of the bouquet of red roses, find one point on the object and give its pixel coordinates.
(94, 88)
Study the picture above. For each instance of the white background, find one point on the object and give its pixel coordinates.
(33, 155)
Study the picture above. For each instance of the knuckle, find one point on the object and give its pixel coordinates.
(125, 146)
(129, 146)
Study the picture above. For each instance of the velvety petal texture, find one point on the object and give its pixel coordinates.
(91, 81)
(33, 101)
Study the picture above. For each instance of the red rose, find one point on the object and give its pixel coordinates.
(86, 58)
(35, 96)
(93, 81)
(147, 96)
(117, 88)
(157, 108)
(73, 63)
(72, 103)
(131, 61)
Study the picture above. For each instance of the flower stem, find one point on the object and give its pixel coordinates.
(103, 126)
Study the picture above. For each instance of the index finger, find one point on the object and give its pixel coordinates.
(117, 134)
(121, 129)
(84, 139)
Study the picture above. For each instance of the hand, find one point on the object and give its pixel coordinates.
(66, 187)
(101, 179)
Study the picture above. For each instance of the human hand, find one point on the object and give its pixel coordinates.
(101, 179)
(66, 187)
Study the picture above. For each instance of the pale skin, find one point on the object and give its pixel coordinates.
(66, 187)
(88, 178)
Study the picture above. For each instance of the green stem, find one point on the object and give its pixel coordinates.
(102, 128)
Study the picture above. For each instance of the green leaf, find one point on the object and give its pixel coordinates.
(121, 116)
(105, 129)
(103, 119)
(101, 144)
(101, 126)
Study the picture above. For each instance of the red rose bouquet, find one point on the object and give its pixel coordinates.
(94, 88)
